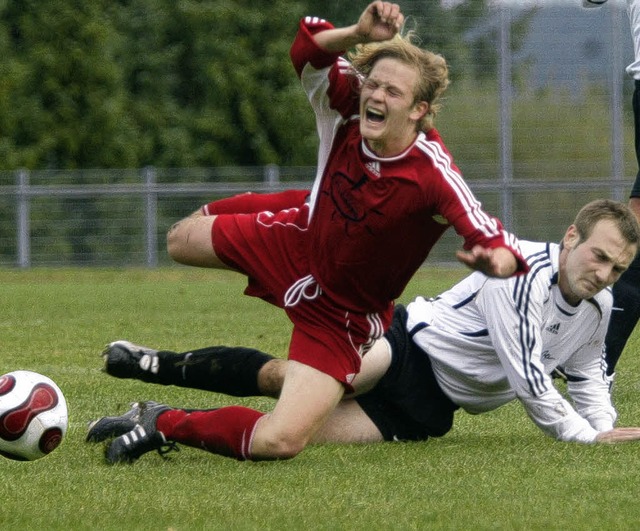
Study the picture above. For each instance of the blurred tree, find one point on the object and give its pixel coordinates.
(239, 94)
(129, 83)
(63, 98)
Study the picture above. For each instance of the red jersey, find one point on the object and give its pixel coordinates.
(373, 220)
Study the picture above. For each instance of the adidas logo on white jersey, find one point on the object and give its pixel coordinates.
(553, 329)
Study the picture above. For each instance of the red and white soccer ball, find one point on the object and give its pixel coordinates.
(33, 415)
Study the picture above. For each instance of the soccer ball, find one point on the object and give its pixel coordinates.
(33, 415)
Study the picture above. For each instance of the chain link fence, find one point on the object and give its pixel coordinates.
(119, 218)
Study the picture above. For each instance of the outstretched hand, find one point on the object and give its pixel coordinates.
(618, 435)
(499, 262)
(380, 21)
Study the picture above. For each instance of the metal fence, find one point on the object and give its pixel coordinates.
(114, 217)
(120, 217)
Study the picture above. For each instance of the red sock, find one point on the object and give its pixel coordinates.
(226, 431)
(249, 203)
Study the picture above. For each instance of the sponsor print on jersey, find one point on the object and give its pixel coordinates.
(345, 194)
(546, 355)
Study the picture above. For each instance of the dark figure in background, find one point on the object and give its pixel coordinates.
(626, 291)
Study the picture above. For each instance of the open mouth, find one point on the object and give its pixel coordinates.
(374, 115)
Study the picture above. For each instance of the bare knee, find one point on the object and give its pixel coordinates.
(189, 241)
(282, 446)
(307, 399)
(272, 442)
(178, 241)
(271, 377)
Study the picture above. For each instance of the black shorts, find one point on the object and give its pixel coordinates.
(407, 404)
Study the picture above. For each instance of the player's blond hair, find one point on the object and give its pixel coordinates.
(433, 72)
(602, 209)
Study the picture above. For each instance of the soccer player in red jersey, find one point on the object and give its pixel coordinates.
(386, 189)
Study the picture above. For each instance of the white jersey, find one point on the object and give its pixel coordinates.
(493, 340)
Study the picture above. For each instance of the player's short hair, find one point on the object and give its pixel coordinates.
(433, 71)
(602, 209)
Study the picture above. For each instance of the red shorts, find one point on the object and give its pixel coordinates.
(271, 250)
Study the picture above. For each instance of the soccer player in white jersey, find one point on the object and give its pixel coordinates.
(477, 346)
(385, 191)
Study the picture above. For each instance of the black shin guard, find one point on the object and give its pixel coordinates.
(229, 370)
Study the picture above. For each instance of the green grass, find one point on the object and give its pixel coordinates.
(494, 471)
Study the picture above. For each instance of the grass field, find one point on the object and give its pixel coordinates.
(495, 471)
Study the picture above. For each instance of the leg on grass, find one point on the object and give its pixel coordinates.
(307, 400)
(348, 423)
(231, 370)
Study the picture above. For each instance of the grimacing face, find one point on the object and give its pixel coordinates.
(594, 264)
(388, 112)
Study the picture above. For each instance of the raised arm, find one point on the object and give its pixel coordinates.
(380, 21)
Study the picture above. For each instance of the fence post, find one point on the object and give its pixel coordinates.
(272, 175)
(506, 98)
(23, 226)
(151, 216)
(617, 77)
